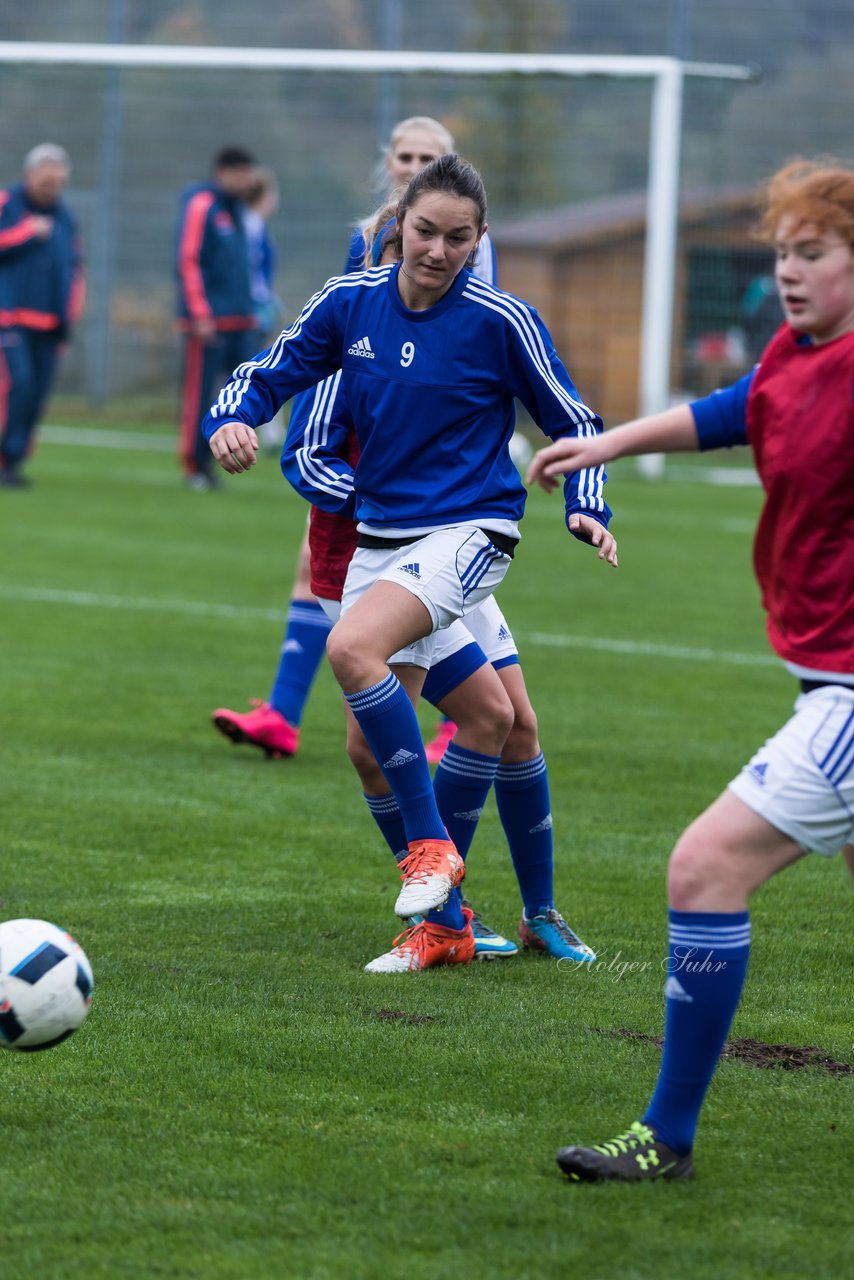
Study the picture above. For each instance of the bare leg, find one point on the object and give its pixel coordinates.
(382, 621)
(724, 856)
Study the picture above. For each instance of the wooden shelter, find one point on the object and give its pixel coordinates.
(581, 266)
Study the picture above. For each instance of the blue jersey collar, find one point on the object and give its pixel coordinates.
(432, 313)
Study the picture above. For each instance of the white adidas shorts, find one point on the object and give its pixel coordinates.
(332, 609)
(451, 571)
(802, 779)
(486, 625)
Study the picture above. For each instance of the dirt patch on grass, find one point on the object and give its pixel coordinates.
(400, 1015)
(756, 1053)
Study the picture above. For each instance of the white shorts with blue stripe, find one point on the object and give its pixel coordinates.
(802, 779)
(451, 571)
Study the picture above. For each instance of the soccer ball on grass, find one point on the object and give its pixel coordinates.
(45, 985)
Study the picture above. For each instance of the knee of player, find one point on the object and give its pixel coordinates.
(498, 711)
(523, 738)
(690, 873)
(344, 652)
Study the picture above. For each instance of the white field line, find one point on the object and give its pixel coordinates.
(538, 639)
(649, 649)
(95, 438)
(140, 604)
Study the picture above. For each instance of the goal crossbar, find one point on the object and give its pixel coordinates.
(59, 53)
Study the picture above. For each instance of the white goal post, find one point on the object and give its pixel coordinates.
(666, 75)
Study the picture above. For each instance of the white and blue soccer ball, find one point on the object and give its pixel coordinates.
(45, 985)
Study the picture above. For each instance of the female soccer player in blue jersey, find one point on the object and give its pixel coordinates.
(475, 676)
(796, 795)
(431, 360)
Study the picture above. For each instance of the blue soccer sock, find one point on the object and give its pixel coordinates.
(462, 782)
(524, 806)
(451, 914)
(303, 649)
(386, 814)
(706, 966)
(388, 721)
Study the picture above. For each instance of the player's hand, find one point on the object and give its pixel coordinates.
(596, 535)
(235, 447)
(572, 453)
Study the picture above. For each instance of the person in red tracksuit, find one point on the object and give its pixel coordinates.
(41, 297)
(216, 309)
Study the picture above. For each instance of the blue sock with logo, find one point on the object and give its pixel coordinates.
(706, 967)
(388, 721)
(462, 782)
(303, 650)
(386, 814)
(524, 807)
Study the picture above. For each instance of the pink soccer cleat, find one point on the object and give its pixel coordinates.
(264, 727)
(438, 745)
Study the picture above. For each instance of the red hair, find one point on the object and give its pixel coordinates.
(816, 191)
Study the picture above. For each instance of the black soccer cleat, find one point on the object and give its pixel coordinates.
(633, 1156)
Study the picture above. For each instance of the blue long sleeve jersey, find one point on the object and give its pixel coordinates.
(721, 418)
(431, 395)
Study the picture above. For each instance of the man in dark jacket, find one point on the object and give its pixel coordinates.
(41, 297)
(215, 305)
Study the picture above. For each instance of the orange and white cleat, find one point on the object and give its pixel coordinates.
(429, 872)
(425, 945)
(264, 727)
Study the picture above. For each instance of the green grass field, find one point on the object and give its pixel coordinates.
(243, 1101)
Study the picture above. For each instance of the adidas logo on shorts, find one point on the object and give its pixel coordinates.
(503, 633)
(758, 772)
(400, 757)
(362, 348)
(414, 570)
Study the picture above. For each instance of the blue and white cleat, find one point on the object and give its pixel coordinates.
(550, 933)
(489, 945)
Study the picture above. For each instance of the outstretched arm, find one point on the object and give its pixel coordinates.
(673, 431)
